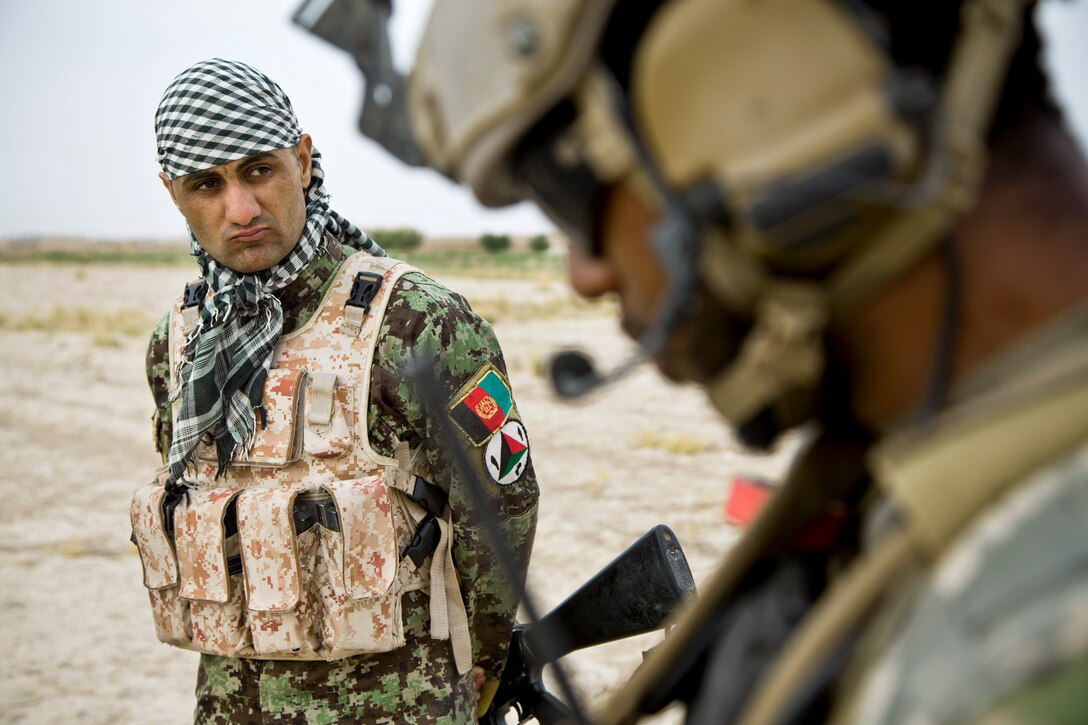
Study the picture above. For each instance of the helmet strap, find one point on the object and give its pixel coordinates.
(783, 354)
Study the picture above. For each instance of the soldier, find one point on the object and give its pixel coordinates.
(309, 534)
(865, 216)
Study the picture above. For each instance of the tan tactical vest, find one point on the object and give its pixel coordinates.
(314, 567)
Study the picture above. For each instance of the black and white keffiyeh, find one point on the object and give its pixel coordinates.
(216, 112)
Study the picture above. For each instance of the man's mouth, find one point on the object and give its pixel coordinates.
(250, 234)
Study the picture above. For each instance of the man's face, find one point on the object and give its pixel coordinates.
(247, 214)
(697, 347)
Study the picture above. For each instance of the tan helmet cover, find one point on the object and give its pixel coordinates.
(485, 72)
(752, 95)
(765, 100)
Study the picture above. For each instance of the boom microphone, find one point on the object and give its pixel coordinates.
(573, 374)
(675, 240)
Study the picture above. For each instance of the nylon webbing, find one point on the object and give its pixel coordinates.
(828, 623)
(984, 448)
(353, 320)
(449, 617)
(322, 386)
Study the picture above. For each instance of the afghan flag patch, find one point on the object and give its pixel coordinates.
(485, 406)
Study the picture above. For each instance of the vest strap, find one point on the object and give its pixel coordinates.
(827, 625)
(982, 449)
(357, 307)
(195, 292)
(322, 387)
(449, 618)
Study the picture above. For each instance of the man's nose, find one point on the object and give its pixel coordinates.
(242, 205)
(590, 276)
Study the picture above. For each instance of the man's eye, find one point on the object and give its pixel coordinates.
(262, 170)
(204, 185)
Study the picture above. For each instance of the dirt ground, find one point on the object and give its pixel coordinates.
(75, 442)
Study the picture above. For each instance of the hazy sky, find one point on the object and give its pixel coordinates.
(80, 80)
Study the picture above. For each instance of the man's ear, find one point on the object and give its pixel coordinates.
(169, 188)
(304, 153)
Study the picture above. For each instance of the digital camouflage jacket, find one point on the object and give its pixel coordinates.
(422, 316)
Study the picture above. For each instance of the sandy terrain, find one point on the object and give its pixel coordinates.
(75, 442)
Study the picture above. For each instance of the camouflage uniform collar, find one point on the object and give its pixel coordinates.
(301, 298)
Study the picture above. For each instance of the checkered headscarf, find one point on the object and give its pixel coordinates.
(216, 112)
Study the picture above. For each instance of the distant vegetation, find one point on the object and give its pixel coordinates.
(495, 242)
(398, 239)
(539, 243)
(464, 257)
(82, 251)
(106, 327)
(489, 265)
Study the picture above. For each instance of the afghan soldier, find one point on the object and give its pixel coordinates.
(864, 216)
(309, 532)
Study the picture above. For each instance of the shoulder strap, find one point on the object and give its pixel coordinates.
(363, 289)
(449, 617)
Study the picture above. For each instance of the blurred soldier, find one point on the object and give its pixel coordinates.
(309, 534)
(865, 216)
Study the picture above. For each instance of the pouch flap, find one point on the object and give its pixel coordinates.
(201, 545)
(329, 416)
(266, 529)
(321, 389)
(156, 552)
(370, 539)
(277, 438)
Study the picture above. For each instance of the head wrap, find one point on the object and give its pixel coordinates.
(216, 112)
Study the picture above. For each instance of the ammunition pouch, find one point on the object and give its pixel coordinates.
(291, 575)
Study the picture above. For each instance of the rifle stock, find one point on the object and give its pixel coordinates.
(634, 594)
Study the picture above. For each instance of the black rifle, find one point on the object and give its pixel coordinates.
(632, 595)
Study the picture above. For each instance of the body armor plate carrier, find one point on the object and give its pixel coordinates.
(304, 547)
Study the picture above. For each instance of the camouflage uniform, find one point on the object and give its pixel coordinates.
(1006, 605)
(983, 616)
(417, 682)
(994, 624)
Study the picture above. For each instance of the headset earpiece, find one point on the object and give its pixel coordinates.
(790, 108)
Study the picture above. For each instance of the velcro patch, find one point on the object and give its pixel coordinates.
(507, 455)
(482, 405)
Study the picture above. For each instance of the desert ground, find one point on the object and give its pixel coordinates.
(75, 442)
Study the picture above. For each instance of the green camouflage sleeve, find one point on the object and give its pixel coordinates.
(158, 379)
(426, 318)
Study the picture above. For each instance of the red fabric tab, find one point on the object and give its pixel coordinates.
(746, 499)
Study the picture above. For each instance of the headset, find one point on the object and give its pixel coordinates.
(794, 167)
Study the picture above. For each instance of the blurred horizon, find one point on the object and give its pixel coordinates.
(80, 83)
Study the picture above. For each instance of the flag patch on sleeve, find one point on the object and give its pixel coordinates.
(483, 405)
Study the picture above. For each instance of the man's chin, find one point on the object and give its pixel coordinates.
(681, 369)
(697, 349)
(674, 360)
(669, 369)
